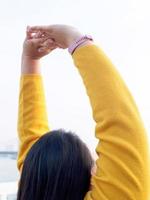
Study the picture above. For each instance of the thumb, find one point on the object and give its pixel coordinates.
(47, 49)
(44, 49)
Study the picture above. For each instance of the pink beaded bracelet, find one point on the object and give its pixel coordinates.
(78, 42)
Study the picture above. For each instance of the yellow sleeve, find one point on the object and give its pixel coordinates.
(123, 154)
(32, 115)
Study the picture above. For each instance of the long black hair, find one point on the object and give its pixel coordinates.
(57, 167)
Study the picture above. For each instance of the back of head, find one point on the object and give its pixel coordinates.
(58, 166)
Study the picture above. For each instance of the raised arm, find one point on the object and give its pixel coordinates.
(32, 115)
(123, 163)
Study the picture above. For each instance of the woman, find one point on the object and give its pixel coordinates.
(57, 164)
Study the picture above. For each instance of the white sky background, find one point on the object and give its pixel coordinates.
(119, 27)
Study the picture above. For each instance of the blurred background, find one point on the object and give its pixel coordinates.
(120, 28)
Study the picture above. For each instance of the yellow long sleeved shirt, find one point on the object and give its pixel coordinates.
(123, 165)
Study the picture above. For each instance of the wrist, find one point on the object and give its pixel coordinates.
(28, 57)
(30, 65)
(74, 37)
(80, 41)
(84, 44)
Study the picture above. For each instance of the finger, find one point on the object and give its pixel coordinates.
(53, 48)
(41, 49)
(48, 43)
(47, 49)
(28, 27)
(39, 41)
(45, 30)
(38, 28)
(36, 43)
(28, 34)
(40, 34)
(31, 35)
(37, 35)
(44, 49)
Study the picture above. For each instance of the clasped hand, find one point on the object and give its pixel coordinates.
(41, 40)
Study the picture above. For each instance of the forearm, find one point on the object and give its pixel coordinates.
(32, 115)
(105, 86)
